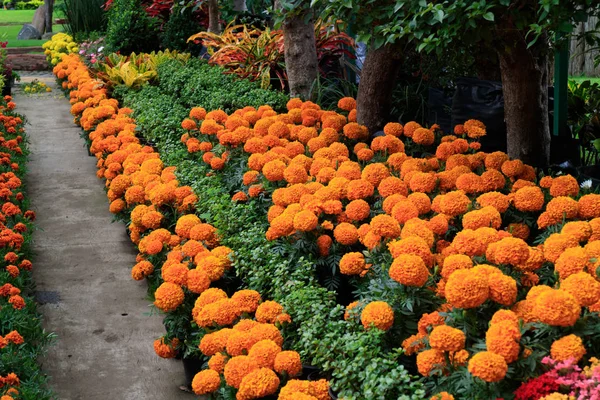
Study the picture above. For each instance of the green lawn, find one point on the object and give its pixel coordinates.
(9, 32)
(16, 16)
(584, 78)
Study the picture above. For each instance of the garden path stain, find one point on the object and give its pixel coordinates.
(82, 271)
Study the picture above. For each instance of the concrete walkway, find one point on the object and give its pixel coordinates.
(82, 270)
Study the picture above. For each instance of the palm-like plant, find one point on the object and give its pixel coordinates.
(259, 54)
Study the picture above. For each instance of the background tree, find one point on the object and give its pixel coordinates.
(301, 64)
(521, 32)
(214, 26)
(49, 11)
(371, 21)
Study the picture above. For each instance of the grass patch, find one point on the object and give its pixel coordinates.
(16, 16)
(584, 78)
(9, 33)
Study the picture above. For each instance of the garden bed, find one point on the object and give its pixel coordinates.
(369, 252)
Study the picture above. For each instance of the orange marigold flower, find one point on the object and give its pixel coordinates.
(354, 131)
(413, 344)
(305, 221)
(410, 128)
(385, 226)
(379, 314)
(503, 339)
(357, 210)
(562, 207)
(466, 290)
(422, 182)
(217, 362)
(447, 338)
(393, 129)
(545, 220)
(512, 168)
(257, 384)
(264, 353)
(197, 281)
(567, 347)
(409, 270)
(404, 210)
(564, 185)
(168, 296)
(484, 217)
(346, 234)
(237, 368)
(247, 300)
(582, 230)
(589, 206)
(454, 203)
(324, 244)
(503, 289)
(352, 263)
(572, 261)
(556, 244)
(455, 262)
(529, 199)
(430, 360)
(488, 366)
(165, 350)
(556, 308)
(392, 185)
(511, 250)
(469, 242)
(494, 199)
(423, 136)
(268, 311)
(505, 315)
(288, 362)
(583, 287)
(375, 173)
(205, 382)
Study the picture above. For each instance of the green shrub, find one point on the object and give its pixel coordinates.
(83, 17)
(130, 29)
(29, 5)
(201, 85)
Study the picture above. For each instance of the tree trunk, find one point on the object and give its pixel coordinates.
(377, 81)
(525, 88)
(213, 17)
(239, 5)
(300, 54)
(49, 11)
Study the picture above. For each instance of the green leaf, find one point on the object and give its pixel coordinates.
(566, 27)
(488, 16)
(439, 15)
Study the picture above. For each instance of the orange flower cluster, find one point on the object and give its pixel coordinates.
(20, 321)
(246, 347)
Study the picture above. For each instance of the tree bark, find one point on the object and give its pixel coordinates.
(377, 81)
(49, 11)
(525, 88)
(300, 54)
(213, 17)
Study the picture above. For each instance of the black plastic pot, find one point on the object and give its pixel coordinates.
(8, 84)
(191, 366)
(308, 370)
(332, 394)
